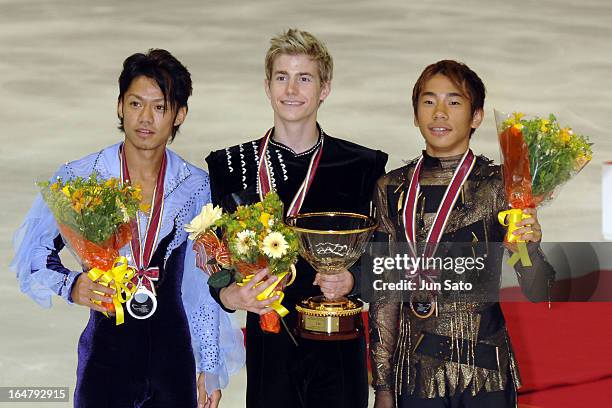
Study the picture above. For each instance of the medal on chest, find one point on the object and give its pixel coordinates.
(423, 303)
(264, 183)
(143, 303)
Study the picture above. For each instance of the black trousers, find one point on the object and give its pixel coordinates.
(495, 399)
(313, 374)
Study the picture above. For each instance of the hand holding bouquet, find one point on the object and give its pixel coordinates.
(538, 156)
(93, 217)
(253, 237)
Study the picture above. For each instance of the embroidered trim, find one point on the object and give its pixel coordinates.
(243, 167)
(229, 159)
(272, 178)
(256, 153)
(290, 150)
(282, 164)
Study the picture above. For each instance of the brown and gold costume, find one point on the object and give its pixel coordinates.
(464, 347)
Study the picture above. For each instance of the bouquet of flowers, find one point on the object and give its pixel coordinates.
(538, 156)
(253, 237)
(93, 217)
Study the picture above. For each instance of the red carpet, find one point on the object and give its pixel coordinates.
(565, 352)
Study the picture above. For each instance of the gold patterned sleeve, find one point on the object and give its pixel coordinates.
(536, 280)
(384, 308)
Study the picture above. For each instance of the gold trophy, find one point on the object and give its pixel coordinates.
(330, 241)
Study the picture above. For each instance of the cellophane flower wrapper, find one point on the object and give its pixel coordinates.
(240, 243)
(93, 217)
(538, 157)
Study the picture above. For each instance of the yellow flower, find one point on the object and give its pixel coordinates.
(66, 191)
(96, 201)
(544, 125)
(110, 183)
(274, 245)
(123, 209)
(203, 221)
(54, 187)
(514, 121)
(78, 201)
(264, 218)
(137, 193)
(565, 135)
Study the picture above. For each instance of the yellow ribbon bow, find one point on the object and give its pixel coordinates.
(118, 278)
(269, 291)
(510, 218)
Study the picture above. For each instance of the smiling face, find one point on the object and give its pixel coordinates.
(444, 117)
(295, 89)
(147, 120)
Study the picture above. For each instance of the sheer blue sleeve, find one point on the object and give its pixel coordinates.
(217, 340)
(37, 244)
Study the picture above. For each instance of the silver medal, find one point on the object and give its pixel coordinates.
(142, 304)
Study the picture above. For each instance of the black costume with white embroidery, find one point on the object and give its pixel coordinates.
(313, 373)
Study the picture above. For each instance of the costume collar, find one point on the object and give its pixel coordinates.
(431, 162)
(290, 150)
(107, 165)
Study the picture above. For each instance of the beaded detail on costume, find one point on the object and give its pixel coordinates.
(272, 178)
(282, 164)
(242, 166)
(204, 321)
(396, 366)
(228, 154)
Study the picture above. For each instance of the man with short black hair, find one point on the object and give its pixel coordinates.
(148, 361)
(448, 349)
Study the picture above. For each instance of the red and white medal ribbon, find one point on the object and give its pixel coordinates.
(453, 191)
(264, 183)
(142, 255)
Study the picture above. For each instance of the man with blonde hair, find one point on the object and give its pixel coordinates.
(283, 370)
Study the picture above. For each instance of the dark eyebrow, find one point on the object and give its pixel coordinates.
(140, 98)
(450, 94)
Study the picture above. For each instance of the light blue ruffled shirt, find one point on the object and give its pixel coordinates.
(216, 340)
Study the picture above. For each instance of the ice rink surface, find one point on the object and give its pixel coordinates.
(59, 63)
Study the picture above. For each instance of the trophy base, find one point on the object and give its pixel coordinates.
(328, 320)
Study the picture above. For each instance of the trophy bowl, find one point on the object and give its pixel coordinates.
(331, 241)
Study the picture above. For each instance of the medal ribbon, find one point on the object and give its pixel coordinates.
(142, 255)
(264, 182)
(451, 194)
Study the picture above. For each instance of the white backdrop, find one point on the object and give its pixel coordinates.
(59, 63)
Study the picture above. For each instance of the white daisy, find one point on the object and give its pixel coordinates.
(274, 245)
(244, 240)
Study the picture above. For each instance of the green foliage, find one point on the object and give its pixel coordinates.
(93, 207)
(555, 153)
(220, 279)
(246, 229)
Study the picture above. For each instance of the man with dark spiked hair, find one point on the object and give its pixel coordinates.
(148, 361)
